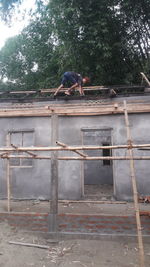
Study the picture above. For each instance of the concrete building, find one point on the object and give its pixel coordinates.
(97, 121)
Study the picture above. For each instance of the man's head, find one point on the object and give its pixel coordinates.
(86, 80)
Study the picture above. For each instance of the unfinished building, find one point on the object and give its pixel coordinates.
(92, 121)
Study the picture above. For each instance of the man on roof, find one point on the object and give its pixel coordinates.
(75, 79)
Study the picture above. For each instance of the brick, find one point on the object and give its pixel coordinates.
(74, 226)
(107, 222)
(92, 222)
(89, 226)
(82, 221)
(119, 222)
(126, 227)
(114, 227)
(101, 226)
(63, 225)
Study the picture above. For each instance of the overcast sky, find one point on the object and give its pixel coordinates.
(17, 23)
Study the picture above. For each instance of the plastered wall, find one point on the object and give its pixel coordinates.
(30, 182)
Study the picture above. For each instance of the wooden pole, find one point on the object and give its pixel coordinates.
(135, 193)
(53, 216)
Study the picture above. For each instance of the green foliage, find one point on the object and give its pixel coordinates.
(107, 40)
(7, 7)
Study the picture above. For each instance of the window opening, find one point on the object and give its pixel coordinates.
(21, 138)
(106, 153)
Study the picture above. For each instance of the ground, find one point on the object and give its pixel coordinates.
(67, 253)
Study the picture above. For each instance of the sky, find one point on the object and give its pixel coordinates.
(17, 22)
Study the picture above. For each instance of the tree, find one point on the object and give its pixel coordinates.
(92, 35)
(105, 39)
(136, 18)
(7, 7)
(29, 60)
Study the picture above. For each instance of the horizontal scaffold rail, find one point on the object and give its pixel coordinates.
(63, 147)
(75, 158)
(70, 148)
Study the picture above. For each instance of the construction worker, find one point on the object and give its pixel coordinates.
(76, 80)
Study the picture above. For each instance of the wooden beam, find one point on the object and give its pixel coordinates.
(86, 88)
(90, 110)
(92, 88)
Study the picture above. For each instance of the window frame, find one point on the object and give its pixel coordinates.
(22, 132)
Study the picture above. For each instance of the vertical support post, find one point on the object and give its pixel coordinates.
(8, 185)
(54, 176)
(8, 177)
(134, 187)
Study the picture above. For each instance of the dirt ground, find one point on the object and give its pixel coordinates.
(67, 253)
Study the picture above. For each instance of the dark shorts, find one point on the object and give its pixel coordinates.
(68, 77)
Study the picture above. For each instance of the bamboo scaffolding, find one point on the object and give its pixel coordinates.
(30, 153)
(4, 156)
(71, 148)
(63, 147)
(8, 185)
(8, 176)
(135, 192)
(74, 150)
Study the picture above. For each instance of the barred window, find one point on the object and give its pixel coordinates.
(21, 139)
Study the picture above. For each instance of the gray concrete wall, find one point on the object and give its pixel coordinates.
(27, 182)
(34, 182)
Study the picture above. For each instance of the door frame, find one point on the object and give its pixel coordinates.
(96, 128)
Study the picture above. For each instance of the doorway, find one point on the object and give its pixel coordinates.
(98, 174)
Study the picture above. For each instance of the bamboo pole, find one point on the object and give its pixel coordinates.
(30, 153)
(29, 245)
(74, 150)
(8, 177)
(71, 148)
(75, 158)
(135, 193)
(8, 186)
(145, 78)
